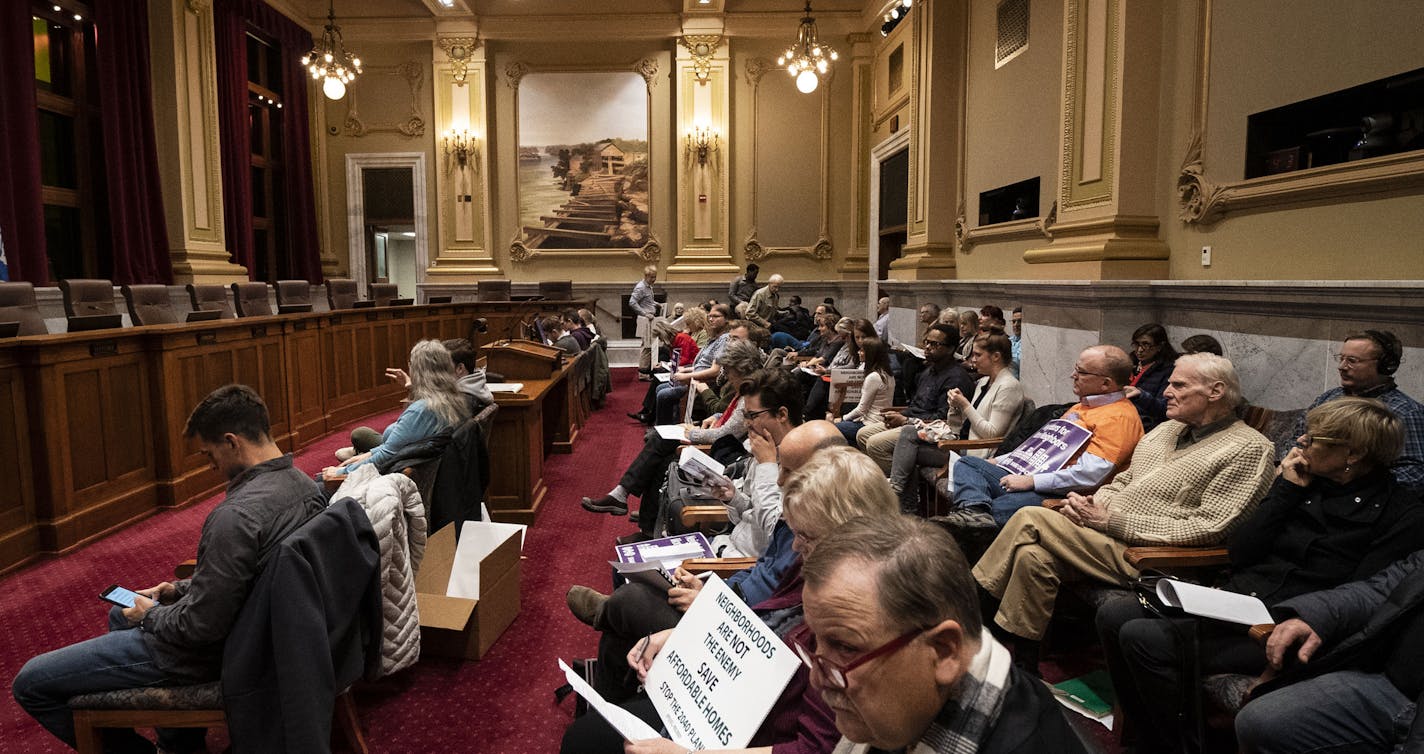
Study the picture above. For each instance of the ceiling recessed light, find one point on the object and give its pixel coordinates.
(57, 9)
(78, 17)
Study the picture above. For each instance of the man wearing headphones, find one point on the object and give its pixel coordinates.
(1367, 362)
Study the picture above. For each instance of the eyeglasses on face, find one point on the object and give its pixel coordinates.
(1144, 345)
(749, 415)
(933, 343)
(1352, 361)
(834, 672)
(1080, 372)
(1306, 440)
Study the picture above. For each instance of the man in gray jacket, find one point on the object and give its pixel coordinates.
(1364, 692)
(173, 634)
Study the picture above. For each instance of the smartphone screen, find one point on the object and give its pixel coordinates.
(118, 595)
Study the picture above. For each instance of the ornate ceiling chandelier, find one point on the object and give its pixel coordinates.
(808, 60)
(330, 60)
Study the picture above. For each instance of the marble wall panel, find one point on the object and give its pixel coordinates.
(1047, 360)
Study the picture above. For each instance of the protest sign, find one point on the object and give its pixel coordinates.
(1049, 449)
(720, 673)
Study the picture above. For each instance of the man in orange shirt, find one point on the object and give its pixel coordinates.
(987, 495)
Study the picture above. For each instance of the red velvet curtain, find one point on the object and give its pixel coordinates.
(138, 230)
(21, 210)
(233, 19)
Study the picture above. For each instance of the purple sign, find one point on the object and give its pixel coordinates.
(1049, 449)
(680, 547)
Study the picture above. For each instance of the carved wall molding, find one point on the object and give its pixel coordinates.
(756, 68)
(514, 73)
(1073, 96)
(651, 251)
(1202, 201)
(410, 72)
(459, 50)
(648, 69)
(702, 47)
(821, 248)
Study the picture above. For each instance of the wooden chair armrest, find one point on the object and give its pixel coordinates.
(1054, 503)
(185, 569)
(1177, 557)
(960, 446)
(1260, 632)
(695, 515)
(334, 484)
(723, 567)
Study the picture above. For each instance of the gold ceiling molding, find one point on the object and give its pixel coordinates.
(459, 50)
(1202, 201)
(702, 47)
(648, 69)
(412, 74)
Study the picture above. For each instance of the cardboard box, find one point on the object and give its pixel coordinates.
(467, 626)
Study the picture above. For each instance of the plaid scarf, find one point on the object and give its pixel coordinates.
(972, 709)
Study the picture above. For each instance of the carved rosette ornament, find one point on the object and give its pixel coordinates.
(823, 248)
(1199, 200)
(648, 69)
(752, 249)
(702, 47)
(961, 223)
(514, 73)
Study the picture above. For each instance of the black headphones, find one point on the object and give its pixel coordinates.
(1391, 350)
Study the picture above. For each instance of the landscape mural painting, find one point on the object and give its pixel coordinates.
(583, 160)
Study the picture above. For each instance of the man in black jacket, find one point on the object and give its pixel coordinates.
(1364, 693)
(183, 626)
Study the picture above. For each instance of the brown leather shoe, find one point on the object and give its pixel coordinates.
(586, 604)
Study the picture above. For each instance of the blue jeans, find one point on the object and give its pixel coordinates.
(848, 430)
(1344, 711)
(119, 659)
(976, 485)
(787, 340)
(665, 404)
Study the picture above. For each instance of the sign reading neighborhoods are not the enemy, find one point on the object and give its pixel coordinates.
(719, 674)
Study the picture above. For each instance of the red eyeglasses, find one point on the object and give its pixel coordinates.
(835, 673)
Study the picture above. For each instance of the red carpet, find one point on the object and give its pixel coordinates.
(503, 703)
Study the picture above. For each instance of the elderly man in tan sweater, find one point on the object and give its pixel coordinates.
(1190, 480)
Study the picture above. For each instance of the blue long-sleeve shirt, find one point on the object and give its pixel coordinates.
(1409, 467)
(758, 583)
(416, 422)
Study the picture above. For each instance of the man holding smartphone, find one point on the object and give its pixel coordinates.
(174, 633)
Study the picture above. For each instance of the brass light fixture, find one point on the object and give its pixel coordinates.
(808, 60)
(330, 59)
(702, 140)
(462, 144)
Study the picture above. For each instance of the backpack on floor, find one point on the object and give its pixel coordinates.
(680, 491)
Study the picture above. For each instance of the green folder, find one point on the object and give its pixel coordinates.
(1092, 693)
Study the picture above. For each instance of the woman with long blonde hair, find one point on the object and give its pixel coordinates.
(433, 405)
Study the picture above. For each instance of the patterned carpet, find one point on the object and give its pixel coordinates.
(503, 703)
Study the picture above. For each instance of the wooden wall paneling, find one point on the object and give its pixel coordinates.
(19, 536)
(94, 412)
(187, 364)
(305, 375)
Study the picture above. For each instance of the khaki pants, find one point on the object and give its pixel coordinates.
(1038, 550)
(878, 441)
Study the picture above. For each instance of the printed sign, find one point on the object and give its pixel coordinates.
(679, 547)
(719, 674)
(1049, 449)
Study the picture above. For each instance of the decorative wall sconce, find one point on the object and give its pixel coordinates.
(459, 50)
(464, 146)
(702, 140)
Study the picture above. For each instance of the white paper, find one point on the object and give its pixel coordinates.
(1214, 603)
(915, 351)
(628, 725)
(903, 324)
(656, 573)
(505, 387)
(477, 540)
(692, 457)
(672, 432)
(720, 672)
(810, 371)
(669, 553)
(662, 376)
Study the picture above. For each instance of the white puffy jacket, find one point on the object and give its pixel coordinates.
(393, 504)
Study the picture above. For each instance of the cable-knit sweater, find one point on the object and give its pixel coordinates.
(1192, 496)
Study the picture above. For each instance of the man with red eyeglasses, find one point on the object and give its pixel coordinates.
(900, 653)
